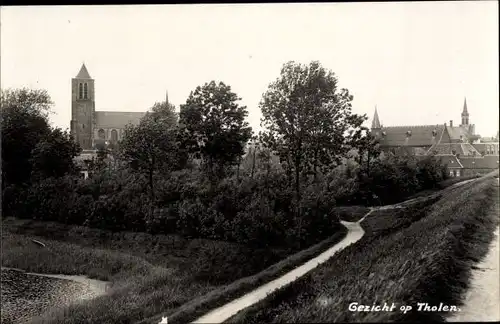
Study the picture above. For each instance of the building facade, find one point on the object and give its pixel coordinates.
(459, 147)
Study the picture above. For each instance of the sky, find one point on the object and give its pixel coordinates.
(414, 61)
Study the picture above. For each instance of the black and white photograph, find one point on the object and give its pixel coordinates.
(330, 162)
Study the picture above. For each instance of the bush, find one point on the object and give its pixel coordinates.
(259, 211)
(386, 180)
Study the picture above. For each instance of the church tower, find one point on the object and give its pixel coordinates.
(82, 108)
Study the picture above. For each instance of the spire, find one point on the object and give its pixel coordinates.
(166, 96)
(465, 112)
(83, 74)
(376, 121)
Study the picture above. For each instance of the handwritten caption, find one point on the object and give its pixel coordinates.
(386, 307)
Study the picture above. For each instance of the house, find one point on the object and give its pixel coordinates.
(459, 147)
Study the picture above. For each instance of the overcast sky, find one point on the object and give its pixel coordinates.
(415, 61)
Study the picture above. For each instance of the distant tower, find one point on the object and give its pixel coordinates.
(465, 115)
(166, 97)
(376, 122)
(82, 108)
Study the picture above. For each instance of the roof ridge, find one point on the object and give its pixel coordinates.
(414, 126)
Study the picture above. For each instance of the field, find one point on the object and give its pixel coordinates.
(150, 274)
(421, 253)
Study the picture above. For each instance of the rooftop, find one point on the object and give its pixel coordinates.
(83, 74)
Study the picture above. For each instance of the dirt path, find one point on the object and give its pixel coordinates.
(482, 301)
(355, 233)
(219, 315)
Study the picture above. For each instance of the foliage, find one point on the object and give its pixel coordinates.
(307, 119)
(53, 156)
(214, 126)
(254, 204)
(31, 149)
(24, 124)
(152, 145)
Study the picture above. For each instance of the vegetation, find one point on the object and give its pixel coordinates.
(161, 272)
(185, 179)
(411, 255)
(215, 127)
(308, 121)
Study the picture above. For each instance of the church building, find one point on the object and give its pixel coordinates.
(90, 127)
(457, 146)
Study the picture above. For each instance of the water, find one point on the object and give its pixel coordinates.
(26, 295)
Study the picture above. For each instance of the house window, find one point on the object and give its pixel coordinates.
(85, 91)
(458, 173)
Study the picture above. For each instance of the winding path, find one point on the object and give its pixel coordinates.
(219, 315)
(354, 234)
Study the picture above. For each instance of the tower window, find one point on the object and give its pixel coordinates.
(80, 91)
(85, 91)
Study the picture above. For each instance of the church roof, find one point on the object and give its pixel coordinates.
(456, 131)
(463, 149)
(420, 135)
(83, 74)
(117, 119)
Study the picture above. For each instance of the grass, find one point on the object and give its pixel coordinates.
(423, 254)
(221, 296)
(150, 274)
(443, 185)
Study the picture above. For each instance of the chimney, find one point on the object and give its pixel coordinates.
(451, 123)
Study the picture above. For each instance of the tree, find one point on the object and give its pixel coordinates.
(152, 145)
(368, 146)
(165, 113)
(214, 126)
(54, 155)
(24, 122)
(307, 121)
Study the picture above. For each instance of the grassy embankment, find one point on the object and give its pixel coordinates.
(417, 254)
(150, 274)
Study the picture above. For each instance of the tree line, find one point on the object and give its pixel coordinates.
(191, 173)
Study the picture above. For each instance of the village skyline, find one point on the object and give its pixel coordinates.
(415, 62)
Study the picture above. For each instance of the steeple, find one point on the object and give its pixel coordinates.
(166, 96)
(465, 114)
(376, 121)
(83, 74)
